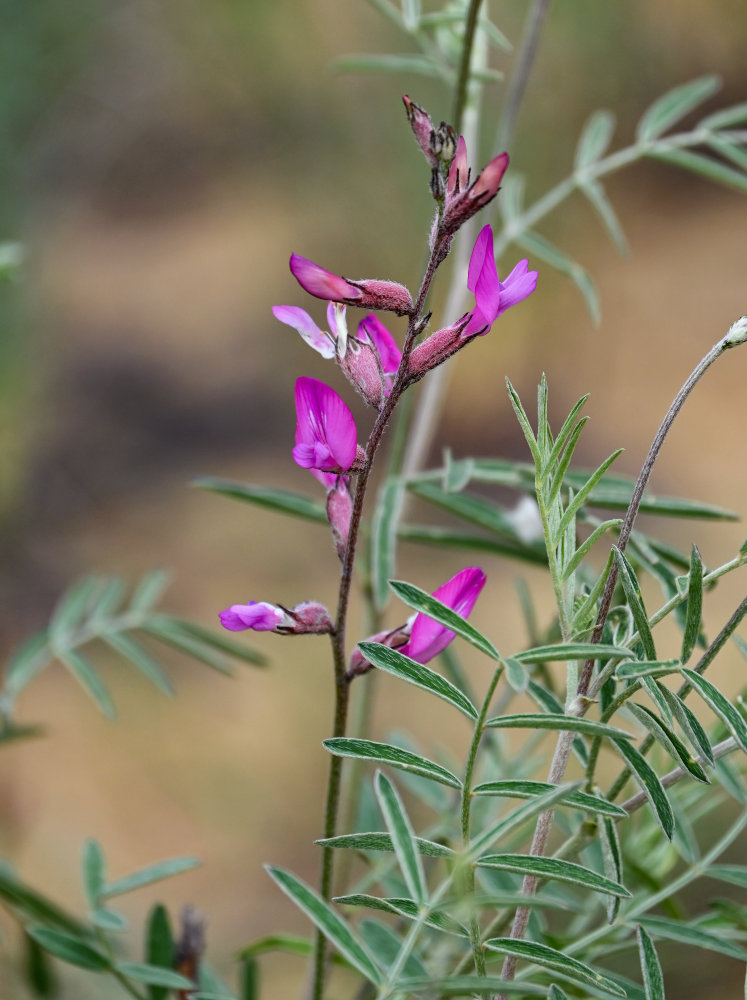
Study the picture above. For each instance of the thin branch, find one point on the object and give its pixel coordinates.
(520, 76)
(719, 751)
(460, 98)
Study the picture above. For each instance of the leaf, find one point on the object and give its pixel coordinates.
(72, 950)
(595, 138)
(84, 672)
(439, 612)
(70, 609)
(467, 507)
(384, 539)
(550, 958)
(632, 590)
(575, 505)
(585, 547)
(417, 674)
(375, 841)
(719, 704)
(170, 631)
(385, 944)
(146, 876)
(705, 166)
(159, 945)
(695, 937)
(517, 818)
(649, 782)
(729, 150)
(724, 118)
(562, 871)
(334, 928)
(282, 501)
(155, 975)
(550, 254)
(690, 725)
(671, 107)
(385, 753)
(39, 971)
(430, 535)
(733, 874)
(35, 907)
(572, 799)
(404, 908)
(94, 872)
(132, 651)
(596, 194)
(462, 986)
(694, 605)
(634, 669)
(29, 659)
(574, 651)
(665, 737)
(613, 864)
(149, 590)
(218, 641)
(556, 993)
(653, 980)
(403, 837)
(420, 65)
(561, 723)
(524, 424)
(549, 703)
(516, 675)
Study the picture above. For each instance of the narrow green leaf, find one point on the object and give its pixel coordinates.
(108, 599)
(561, 723)
(704, 166)
(690, 725)
(385, 753)
(417, 674)
(384, 539)
(541, 247)
(694, 605)
(561, 466)
(729, 150)
(696, 937)
(282, 501)
(733, 874)
(385, 944)
(516, 674)
(132, 651)
(334, 928)
(93, 869)
(39, 972)
(673, 106)
(403, 907)
(526, 789)
(583, 494)
(518, 818)
(149, 590)
(547, 701)
(29, 659)
(595, 138)
(439, 612)
(562, 871)
(632, 590)
(71, 608)
(564, 433)
(171, 632)
(653, 980)
(108, 920)
(159, 946)
(550, 958)
(33, 906)
(420, 65)
(725, 118)
(70, 949)
(666, 738)
(544, 434)
(612, 859)
(574, 651)
(719, 704)
(84, 672)
(402, 836)
(596, 194)
(524, 424)
(376, 841)
(556, 993)
(473, 509)
(411, 15)
(431, 535)
(217, 641)
(462, 986)
(457, 474)
(632, 670)
(146, 876)
(650, 784)
(155, 975)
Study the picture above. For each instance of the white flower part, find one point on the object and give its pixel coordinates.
(526, 521)
(737, 332)
(338, 326)
(300, 320)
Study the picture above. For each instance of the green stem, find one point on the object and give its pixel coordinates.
(469, 873)
(462, 86)
(520, 76)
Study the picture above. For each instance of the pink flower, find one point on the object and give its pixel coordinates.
(428, 638)
(368, 293)
(307, 617)
(326, 436)
(422, 638)
(372, 329)
(257, 615)
(463, 199)
(492, 297)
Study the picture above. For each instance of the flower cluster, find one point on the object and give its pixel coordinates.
(380, 371)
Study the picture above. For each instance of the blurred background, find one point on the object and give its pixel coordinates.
(159, 162)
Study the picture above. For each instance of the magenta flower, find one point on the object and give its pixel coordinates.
(463, 199)
(372, 329)
(369, 293)
(428, 638)
(257, 615)
(326, 436)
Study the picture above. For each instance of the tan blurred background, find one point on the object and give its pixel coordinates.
(160, 162)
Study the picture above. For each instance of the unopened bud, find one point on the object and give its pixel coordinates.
(422, 128)
(310, 617)
(339, 512)
(362, 368)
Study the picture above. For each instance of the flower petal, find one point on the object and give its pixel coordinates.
(257, 615)
(519, 284)
(316, 281)
(428, 638)
(300, 320)
(326, 436)
(371, 327)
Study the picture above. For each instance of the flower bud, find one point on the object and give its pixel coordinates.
(422, 128)
(339, 512)
(362, 368)
(463, 202)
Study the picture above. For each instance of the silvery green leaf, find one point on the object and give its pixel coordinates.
(574, 651)
(596, 194)
(418, 674)
(668, 739)
(415, 63)
(650, 784)
(725, 118)
(696, 937)
(384, 753)
(719, 704)
(704, 166)
(148, 875)
(93, 867)
(560, 723)
(595, 138)
(574, 799)
(421, 601)
(613, 864)
(653, 980)
(380, 841)
(69, 948)
(541, 247)
(632, 590)
(554, 868)
(85, 672)
(462, 986)
(694, 609)
(155, 975)
(673, 106)
(384, 944)
(384, 539)
(282, 501)
(550, 958)
(690, 725)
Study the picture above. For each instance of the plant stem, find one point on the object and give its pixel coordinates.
(520, 76)
(462, 86)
